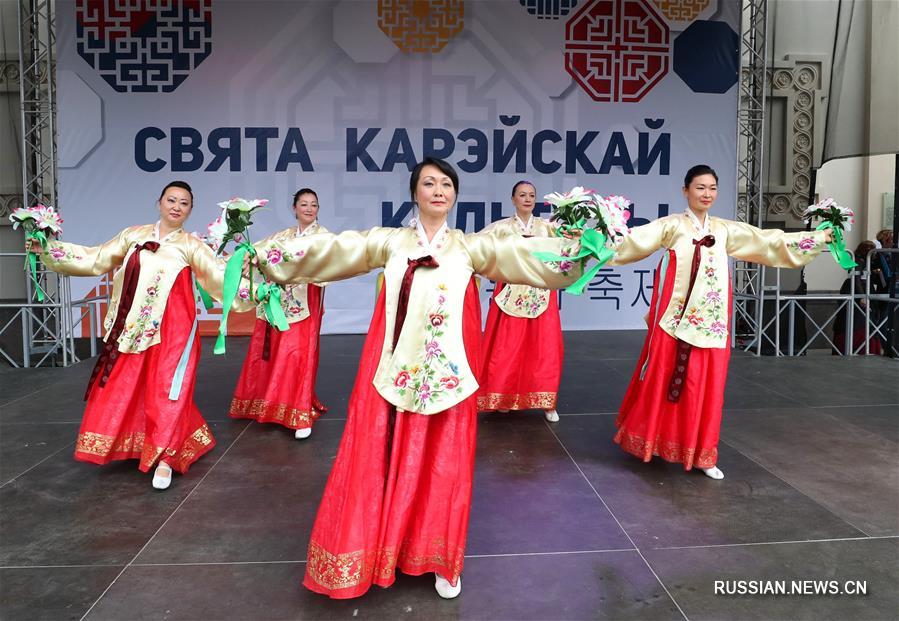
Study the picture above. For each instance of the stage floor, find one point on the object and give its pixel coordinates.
(564, 525)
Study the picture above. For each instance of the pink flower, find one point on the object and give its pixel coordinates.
(424, 392)
(436, 319)
(432, 350)
(565, 266)
(273, 256)
(243, 293)
(441, 299)
(148, 334)
(806, 243)
(718, 328)
(57, 253)
(710, 271)
(146, 310)
(402, 378)
(713, 297)
(694, 319)
(151, 291)
(449, 382)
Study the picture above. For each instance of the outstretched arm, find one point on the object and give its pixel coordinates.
(644, 240)
(510, 259)
(76, 260)
(773, 247)
(324, 257)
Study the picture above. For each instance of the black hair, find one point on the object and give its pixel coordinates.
(696, 171)
(178, 184)
(300, 192)
(445, 167)
(523, 182)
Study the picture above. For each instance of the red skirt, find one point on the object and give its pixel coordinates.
(282, 389)
(521, 359)
(408, 512)
(131, 417)
(685, 432)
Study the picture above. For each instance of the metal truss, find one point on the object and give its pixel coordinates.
(749, 278)
(43, 324)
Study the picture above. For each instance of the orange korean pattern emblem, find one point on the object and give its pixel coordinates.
(681, 10)
(421, 25)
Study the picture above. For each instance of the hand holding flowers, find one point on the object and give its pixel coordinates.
(574, 210)
(40, 223)
(233, 225)
(835, 219)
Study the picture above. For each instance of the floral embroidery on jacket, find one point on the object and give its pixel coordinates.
(529, 301)
(708, 314)
(434, 375)
(803, 245)
(275, 255)
(61, 254)
(564, 267)
(144, 327)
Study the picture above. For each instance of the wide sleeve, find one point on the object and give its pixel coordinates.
(209, 271)
(644, 240)
(510, 259)
(324, 257)
(76, 260)
(773, 247)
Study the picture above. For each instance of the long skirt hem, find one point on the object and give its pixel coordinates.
(522, 401)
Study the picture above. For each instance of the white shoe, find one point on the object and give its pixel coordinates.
(445, 589)
(713, 473)
(552, 416)
(162, 476)
(302, 434)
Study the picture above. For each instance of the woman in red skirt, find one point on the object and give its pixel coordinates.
(140, 396)
(673, 404)
(521, 354)
(399, 492)
(277, 384)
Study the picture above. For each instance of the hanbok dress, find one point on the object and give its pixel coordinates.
(672, 407)
(399, 492)
(277, 382)
(140, 396)
(522, 348)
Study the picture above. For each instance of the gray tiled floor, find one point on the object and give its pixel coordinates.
(564, 525)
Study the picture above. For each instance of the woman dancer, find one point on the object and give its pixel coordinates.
(399, 493)
(673, 404)
(521, 354)
(140, 396)
(277, 383)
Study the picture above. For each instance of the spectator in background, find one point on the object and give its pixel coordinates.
(858, 305)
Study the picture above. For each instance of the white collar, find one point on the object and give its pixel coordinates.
(309, 230)
(423, 236)
(156, 232)
(701, 228)
(526, 227)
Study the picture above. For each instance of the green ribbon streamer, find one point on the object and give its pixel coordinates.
(208, 302)
(269, 295)
(233, 272)
(31, 260)
(580, 225)
(592, 245)
(838, 246)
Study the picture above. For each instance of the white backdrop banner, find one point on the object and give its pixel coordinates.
(259, 99)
